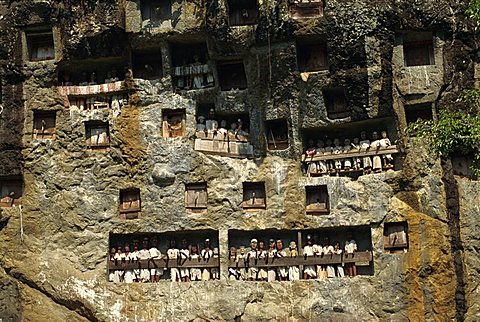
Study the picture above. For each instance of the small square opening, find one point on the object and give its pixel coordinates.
(462, 165)
(242, 12)
(311, 55)
(417, 112)
(97, 135)
(147, 64)
(254, 195)
(418, 49)
(11, 191)
(395, 236)
(302, 9)
(154, 12)
(44, 125)
(173, 123)
(196, 196)
(336, 103)
(40, 45)
(277, 134)
(130, 203)
(232, 75)
(317, 200)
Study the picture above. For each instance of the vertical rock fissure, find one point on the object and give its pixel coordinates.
(453, 209)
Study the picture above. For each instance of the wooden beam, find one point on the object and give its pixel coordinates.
(333, 259)
(356, 154)
(164, 263)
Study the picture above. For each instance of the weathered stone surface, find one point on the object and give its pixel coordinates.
(53, 250)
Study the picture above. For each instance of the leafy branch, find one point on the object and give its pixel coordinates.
(455, 132)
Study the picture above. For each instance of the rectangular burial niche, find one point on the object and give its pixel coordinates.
(322, 157)
(395, 236)
(190, 66)
(242, 12)
(173, 124)
(415, 112)
(302, 10)
(418, 49)
(196, 198)
(311, 55)
(277, 134)
(40, 45)
(92, 71)
(147, 64)
(11, 191)
(97, 135)
(44, 124)
(232, 75)
(462, 165)
(130, 203)
(225, 121)
(240, 240)
(317, 202)
(154, 12)
(362, 236)
(336, 103)
(194, 239)
(254, 195)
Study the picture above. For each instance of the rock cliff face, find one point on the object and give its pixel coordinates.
(54, 248)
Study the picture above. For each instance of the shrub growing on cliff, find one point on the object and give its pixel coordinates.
(454, 131)
(473, 11)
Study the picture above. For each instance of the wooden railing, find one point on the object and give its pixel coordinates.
(90, 90)
(235, 149)
(357, 257)
(165, 263)
(351, 154)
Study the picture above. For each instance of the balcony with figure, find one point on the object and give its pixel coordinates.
(229, 137)
(93, 85)
(338, 150)
(191, 70)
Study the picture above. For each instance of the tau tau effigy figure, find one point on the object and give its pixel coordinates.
(339, 267)
(272, 253)
(357, 162)
(215, 272)
(364, 147)
(201, 129)
(321, 165)
(282, 271)
(242, 255)
(134, 257)
(350, 248)
(184, 255)
(328, 250)
(233, 272)
(253, 253)
(195, 273)
(155, 272)
(211, 123)
(174, 253)
(261, 254)
(129, 276)
(293, 271)
(374, 146)
(387, 158)
(206, 253)
(347, 162)
(308, 250)
(144, 254)
(337, 149)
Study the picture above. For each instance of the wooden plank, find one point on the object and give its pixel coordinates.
(302, 260)
(357, 154)
(164, 263)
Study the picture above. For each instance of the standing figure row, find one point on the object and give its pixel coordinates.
(367, 164)
(149, 251)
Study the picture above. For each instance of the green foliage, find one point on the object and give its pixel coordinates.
(454, 132)
(473, 11)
